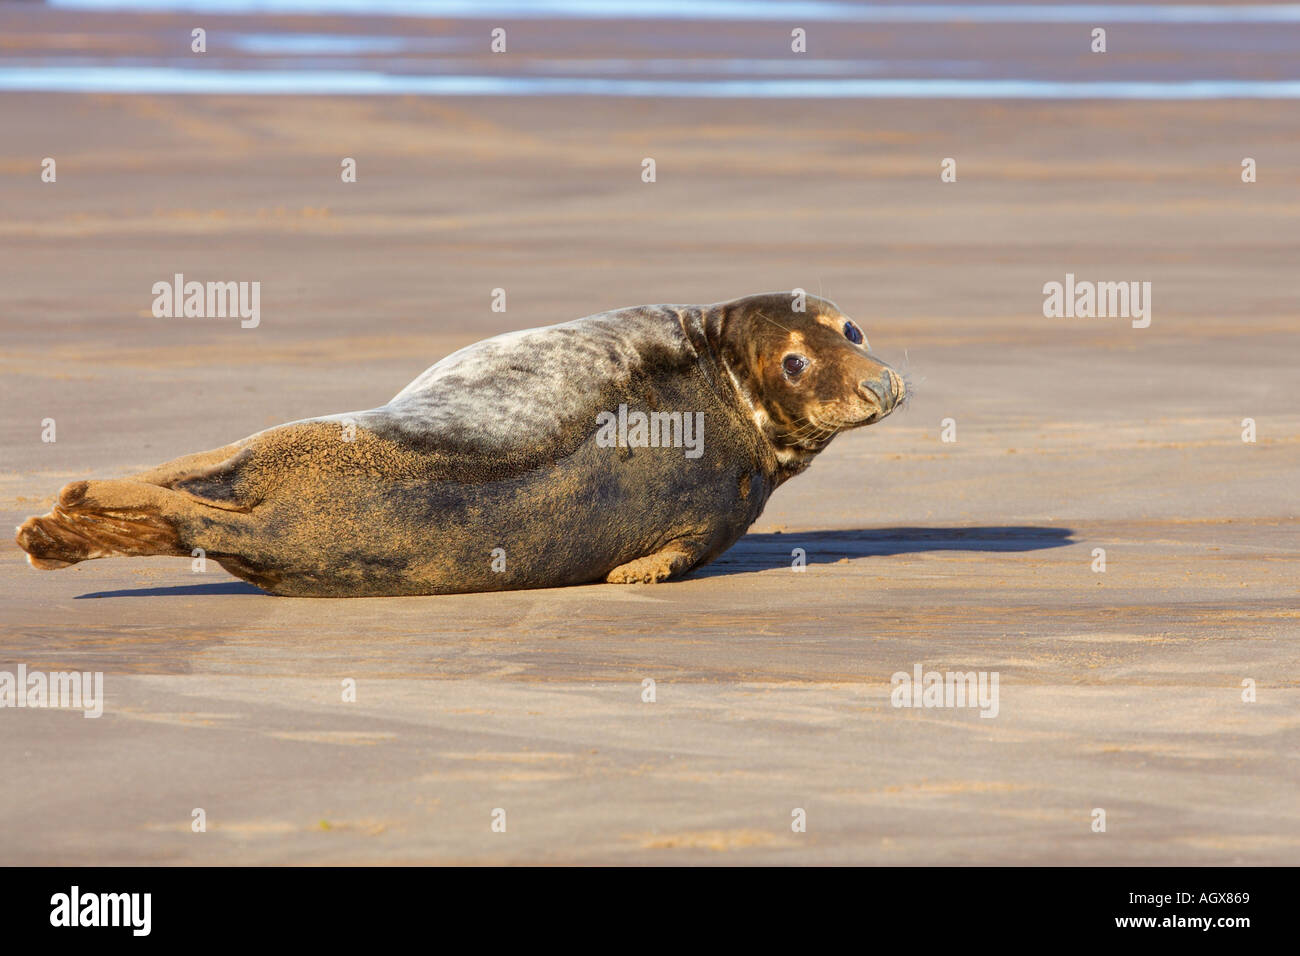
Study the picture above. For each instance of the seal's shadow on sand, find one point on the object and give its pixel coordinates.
(761, 552)
(180, 590)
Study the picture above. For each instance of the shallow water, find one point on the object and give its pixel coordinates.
(161, 79)
(747, 10)
(723, 49)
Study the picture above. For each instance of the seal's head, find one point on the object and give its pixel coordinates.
(807, 375)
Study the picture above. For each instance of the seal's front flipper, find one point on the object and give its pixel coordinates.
(101, 519)
(676, 558)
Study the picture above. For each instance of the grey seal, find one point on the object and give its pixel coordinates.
(627, 446)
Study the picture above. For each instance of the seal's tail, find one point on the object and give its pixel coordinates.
(101, 519)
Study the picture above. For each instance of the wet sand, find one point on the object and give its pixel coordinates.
(1119, 690)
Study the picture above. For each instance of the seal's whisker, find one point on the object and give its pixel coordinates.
(799, 425)
(774, 322)
(809, 431)
(795, 436)
(909, 387)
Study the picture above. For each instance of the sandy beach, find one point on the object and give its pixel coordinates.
(1119, 690)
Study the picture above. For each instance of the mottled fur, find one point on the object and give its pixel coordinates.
(495, 447)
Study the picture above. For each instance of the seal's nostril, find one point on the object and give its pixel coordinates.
(886, 389)
(873, 390)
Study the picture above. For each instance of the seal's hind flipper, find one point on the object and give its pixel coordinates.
(209, 476)
(100, 519)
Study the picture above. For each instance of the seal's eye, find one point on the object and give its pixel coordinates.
(852, 333)
(794, 364)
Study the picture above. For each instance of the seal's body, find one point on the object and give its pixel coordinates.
(627, 446)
